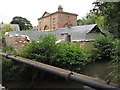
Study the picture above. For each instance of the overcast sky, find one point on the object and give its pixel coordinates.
(33, 9)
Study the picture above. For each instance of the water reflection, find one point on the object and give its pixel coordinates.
(97, 69)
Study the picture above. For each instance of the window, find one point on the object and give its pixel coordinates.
(53, 20)
(40, 24)
(46, 27)
(53, 27)
(62, 37)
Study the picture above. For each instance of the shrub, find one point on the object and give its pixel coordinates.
(103, 47)
(14, 70)
(115, 63)
(71, 57)
(8, 50)
(108, 48)
(65, 55)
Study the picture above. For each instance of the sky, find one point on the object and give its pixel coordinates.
(34, 9)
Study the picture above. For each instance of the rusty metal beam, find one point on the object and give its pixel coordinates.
(85, 80)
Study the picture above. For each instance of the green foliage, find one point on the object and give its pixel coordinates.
(115, 63)
(9, 50)
(88, 19)
(22, 22)
(111, 13)
(103, 47)
(100, 21)
(108, 48)
(13, 70)
(65, 55)
(71, 57)
(41, 50)
(6, 28)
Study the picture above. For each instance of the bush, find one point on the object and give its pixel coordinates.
(115, 63)
(71, 57)
(65, 55)
(108, 48)
(103, 47)
(14, 70)
(8, 50)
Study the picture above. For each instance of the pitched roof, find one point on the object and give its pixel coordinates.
(80, 29)
(78, 33)
(57, 12)
(45, 14)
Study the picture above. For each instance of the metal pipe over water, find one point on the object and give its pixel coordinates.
(82, 79)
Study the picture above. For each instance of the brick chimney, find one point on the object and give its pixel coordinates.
(60, 8)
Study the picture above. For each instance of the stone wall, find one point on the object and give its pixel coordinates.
(48, 21)
(65, 19)
(17, 41)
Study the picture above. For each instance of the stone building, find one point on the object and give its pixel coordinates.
(84, 34)
(58, 19)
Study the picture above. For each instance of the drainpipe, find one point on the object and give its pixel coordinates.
(85, 80)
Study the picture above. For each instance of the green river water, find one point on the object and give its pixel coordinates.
(98, 70)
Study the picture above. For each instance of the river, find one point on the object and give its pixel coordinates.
(97, 69)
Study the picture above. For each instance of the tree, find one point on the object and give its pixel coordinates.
(111, 13)
(115, 62)
(5, 28)
(100, 21)
(88, 19)
(22, 22)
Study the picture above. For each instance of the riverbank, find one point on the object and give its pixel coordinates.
(97, 70)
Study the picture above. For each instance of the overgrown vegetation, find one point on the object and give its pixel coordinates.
(115, 62)
(107, 48)
(88, 19)
(110, 11)
(68, 55)
(64, 55)
(103, 47)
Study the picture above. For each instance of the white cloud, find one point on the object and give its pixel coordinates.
(33, 9)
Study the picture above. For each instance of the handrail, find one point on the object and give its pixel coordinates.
(83, 79)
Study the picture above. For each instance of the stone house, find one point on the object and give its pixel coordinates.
(58, 19)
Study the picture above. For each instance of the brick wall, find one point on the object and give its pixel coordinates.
(57, 20)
